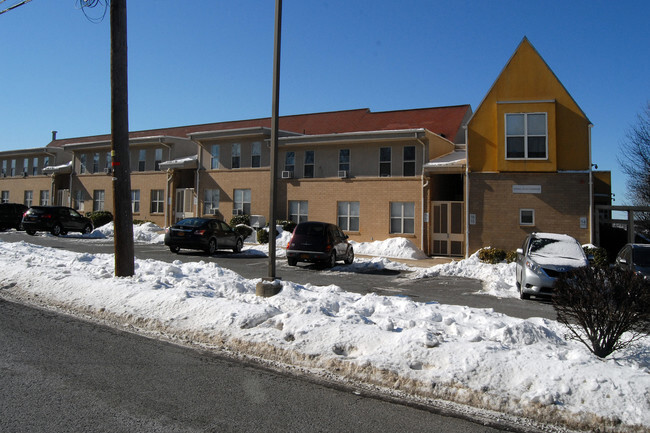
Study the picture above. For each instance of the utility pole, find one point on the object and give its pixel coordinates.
(123, 218)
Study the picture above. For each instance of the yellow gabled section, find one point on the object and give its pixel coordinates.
(527, 85)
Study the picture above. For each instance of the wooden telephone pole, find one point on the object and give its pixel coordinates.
(123, 218)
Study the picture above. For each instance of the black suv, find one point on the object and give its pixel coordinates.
(58, 220)
(319, 242)
(11, 216)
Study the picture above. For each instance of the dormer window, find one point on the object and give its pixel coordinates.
(526, 136)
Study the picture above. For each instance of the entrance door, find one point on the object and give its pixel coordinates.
(184, 203)
(447, 237)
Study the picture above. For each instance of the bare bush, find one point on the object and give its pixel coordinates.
(606, 309)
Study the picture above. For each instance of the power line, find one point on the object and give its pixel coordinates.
(14, 6)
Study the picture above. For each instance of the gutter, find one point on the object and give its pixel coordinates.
(466, 194)
(424, 184)
(591, 191)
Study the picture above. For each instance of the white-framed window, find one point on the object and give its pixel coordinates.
(308, 167)
(236, 156)
(256, 154)
(29, 197)
(142, 159)
(214, 156)
(158, 156)
(44, 199)
(211, 201)
(408, 161)
(78, 201)
(108, 160)
(157, 201)
(13, 168)
(348, 215)
(95, 162)
(4, 197)
(527, 217)
(82, 163)
(25, 166)
(135, 200)
(4, 167)
(35, 166)
(98, 200)
(46, 161)
(290, 161)
(385, 161)
(526, 136)
(242, 202)
(298, 211)
(344, 160)
(402, 217)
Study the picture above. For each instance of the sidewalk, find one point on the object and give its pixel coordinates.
(422, 263)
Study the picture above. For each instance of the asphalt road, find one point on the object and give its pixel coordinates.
(446, 290)
(61, 374)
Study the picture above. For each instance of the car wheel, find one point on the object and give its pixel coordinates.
(30, 232)
(292, 262)
(212, 246)
(2, 228)
(349, 258)
(87, 229)
(332, 260)
(56, 230)
(174, 249)
(238, 246)
(523, 295)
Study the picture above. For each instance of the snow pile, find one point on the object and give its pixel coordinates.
(397, 248)
(469, 356)
(147, 232)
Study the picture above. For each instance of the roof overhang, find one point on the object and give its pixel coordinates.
(58, 169)
(356, 137)
(165, 140)
(189, 162)
(34, 151)
(453, 162)
(256, 131)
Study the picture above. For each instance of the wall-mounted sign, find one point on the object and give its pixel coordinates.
(527, 189)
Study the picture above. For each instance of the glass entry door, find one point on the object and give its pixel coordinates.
(448, 236)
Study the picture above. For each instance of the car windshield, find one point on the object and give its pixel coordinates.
(642, 257)
(555, 247)
(191, 222)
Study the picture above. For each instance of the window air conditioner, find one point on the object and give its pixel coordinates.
(24, 174)
(343, 174)
(237, 212)
(213, 211)
(108, 170)
(287, 174)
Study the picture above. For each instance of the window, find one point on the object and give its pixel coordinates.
(409, 161)
(34, 166)
(348, 216)
(236, 156)
(95, 162)
(526, 217)
(13, 167)
(135, 200)
(4, 167)
(4, 197)
(44, 199)
(384, 161)
(98, 200)
(25, 166)
(290, 161)
(142, 160)
(242, 203)
(256, 154)
(157, 159)
(157, 201)
(344, 160)
(211, 201)
(214, 161)
(82, 163)
(308, 168)
(298, 210)
(108, 160)
(526, 136)
(46, 161)
(79, 200)
(402, 217)
(29, 197)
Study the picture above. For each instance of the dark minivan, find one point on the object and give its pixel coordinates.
(319, 242)
(58, 220)
(11, 216)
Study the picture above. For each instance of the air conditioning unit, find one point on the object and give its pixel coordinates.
(213, 211)
(108, 170)
(343, 174)
(287, 174)
(24, 174)
(4, 174)
(237, 212)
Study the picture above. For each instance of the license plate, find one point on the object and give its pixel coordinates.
(180, 234)
(304, 256)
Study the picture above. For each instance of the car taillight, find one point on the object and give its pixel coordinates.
(328, 247)
(47, 216)
(200, 232)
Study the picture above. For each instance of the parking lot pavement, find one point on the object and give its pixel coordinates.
(420, 263)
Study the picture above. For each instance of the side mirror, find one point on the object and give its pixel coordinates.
(520, 252)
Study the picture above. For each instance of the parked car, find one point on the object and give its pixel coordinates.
(207, 234)
(58, 220)
(11, 216)
(542, 259)
(636, 258)
(315, 242)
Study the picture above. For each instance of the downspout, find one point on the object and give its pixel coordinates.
(591, 190)
(170, 177)
(466, 194)
(74, 156)
(199, 164)
(52, 195)
(424, 184)
(169, 158)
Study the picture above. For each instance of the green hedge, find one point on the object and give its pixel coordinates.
(496, 255)
(100, 218)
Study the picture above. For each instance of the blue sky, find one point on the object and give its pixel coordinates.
(202, 61)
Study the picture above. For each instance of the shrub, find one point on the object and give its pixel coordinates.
(240, 219)
(496, 255)
(287, 226)
(100, 218)
(599, 255)
(243, 230)
(599, 305)
(262, 236)
(140, 222)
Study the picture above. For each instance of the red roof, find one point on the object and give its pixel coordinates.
(444, 121)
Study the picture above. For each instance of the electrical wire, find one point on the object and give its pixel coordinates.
(14, 6)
